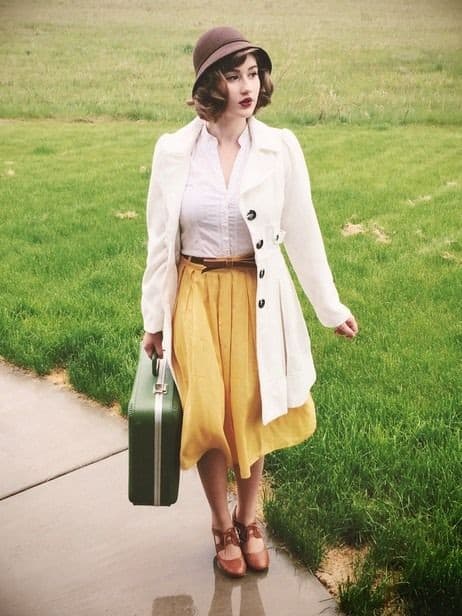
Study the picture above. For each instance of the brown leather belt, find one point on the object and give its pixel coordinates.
(221, 262)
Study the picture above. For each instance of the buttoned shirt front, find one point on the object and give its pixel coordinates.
(211, 224)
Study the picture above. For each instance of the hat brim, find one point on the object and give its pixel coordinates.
(227, 50)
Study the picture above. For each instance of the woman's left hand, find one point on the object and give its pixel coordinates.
(349, 328)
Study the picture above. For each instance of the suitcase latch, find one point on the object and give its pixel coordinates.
(159, 388)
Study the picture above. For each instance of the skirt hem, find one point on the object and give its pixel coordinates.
(266, 450)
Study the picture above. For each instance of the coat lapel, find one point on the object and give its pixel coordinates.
(177, 157)
(260, 164)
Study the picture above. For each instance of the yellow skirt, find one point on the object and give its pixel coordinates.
(214, 359)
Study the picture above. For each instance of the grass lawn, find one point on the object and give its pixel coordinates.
(359, 61)
(378, 114)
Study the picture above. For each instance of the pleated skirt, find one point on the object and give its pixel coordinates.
(214, 359)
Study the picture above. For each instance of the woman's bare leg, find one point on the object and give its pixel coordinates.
(213, 473)
(247, 494)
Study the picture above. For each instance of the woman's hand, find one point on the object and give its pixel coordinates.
(349, 328)
(153, 342)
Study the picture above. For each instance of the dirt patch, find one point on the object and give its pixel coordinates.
(126, 215)
(420, 199)
(449, 256)
(338, 565)
(115, 409)
(380, 234)
(59, 377)
(350, 228)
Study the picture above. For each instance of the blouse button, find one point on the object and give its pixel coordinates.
(261, 273)
(251, 214)
(261, 303)
(259, 244)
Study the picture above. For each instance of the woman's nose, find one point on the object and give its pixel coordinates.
(245, 84)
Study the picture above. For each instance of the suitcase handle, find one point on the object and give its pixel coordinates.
(155, 363)
(159, 387)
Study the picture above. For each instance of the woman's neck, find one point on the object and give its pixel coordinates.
(227, 131)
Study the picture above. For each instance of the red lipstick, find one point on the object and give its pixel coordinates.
(246, 102)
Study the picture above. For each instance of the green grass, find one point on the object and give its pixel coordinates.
(342, 62)
(373, 92)
(384, 466)
(71, 269)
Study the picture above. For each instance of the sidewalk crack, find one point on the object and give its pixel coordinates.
(62, 474)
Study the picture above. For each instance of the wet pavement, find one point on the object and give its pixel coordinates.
(72, 543)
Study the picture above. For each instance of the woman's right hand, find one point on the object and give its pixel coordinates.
(153, 342)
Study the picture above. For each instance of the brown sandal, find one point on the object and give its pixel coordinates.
(258, 561)
(234, 567)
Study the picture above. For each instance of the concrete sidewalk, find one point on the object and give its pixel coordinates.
(72, 543)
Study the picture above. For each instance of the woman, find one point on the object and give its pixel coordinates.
(226, 190)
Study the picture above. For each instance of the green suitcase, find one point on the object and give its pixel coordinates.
(154, 433)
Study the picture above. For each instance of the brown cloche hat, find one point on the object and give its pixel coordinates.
(219, 42)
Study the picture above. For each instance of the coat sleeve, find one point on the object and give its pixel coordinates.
(153, 283)
(303, 239)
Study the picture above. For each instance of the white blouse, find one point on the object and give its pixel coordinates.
(211, 224)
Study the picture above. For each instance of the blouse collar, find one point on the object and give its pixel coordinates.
(207, 137)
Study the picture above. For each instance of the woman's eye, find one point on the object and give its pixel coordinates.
(233, 77)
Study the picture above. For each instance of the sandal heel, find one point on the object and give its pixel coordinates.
(234, 567)
(257, 561)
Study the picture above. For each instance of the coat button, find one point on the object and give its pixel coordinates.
(261, 303)
(261, 273)
(259, 244)
(251, 214)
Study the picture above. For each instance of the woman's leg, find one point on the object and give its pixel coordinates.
(247, 494)
(213, 473)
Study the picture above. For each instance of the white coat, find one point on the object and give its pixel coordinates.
(275, 201)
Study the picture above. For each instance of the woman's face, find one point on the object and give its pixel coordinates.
(243, 88)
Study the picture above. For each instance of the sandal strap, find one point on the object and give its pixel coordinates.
(251, 530)
(244, 532)
(225, 538)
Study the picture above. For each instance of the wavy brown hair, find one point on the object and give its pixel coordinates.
(211, 95)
